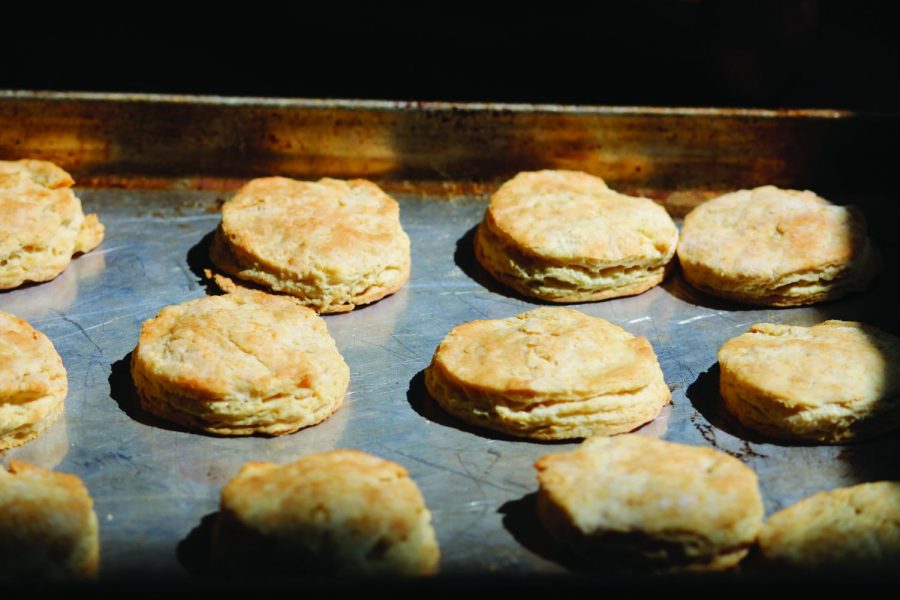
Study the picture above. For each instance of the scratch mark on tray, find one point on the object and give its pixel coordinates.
(464, 474)
(639, 320)
(692, 319)
(82, 330)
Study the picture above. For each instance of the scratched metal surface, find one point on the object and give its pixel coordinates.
(153, 484)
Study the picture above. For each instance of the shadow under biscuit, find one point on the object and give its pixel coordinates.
(122, 390)
(198, 262)
(464, 257)
(677, 286)
(425, 406)
(194, 551)
(521, 521)
(704, 395)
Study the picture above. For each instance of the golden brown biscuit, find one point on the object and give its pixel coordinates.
(343, 511)
(48, 528)
(33, 382)
(847, 530)
(243, 363)
(564, 236)
(41, 222)
(550, 373)
(333, 244)
(776, 248)
(634, 501)
(834, 382)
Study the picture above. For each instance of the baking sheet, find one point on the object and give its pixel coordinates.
(155, 485)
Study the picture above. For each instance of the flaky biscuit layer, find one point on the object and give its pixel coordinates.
(564, 236)
(33, 383)
(333, 244)
(48, 528)
(834, 382)
(41, 222)
(342, 511)
(776, 247)
(847, 530)
(549, 373)
(635, 501)
(242, 363)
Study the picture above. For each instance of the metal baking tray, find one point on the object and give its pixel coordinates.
(157, 168)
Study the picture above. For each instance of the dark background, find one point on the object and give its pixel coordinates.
(791, 53)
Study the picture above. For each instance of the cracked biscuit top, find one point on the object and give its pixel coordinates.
(776, 247)
(333, 244)
(246, 362)
(573, 217)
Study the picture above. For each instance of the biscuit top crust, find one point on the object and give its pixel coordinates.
(842, 363)
(249, 344)
(574, 218)
(634, 483)
(340, 227)
(30, 367)
(43, 173)
(547, 351)
(766, 233)
(852, 528)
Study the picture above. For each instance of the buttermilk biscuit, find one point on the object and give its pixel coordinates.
(776, 248)
(548, 374)
(564, 236)
(343, 511)
(41, 222)
(333, 244)
(834, 382)
(853, 529)
(33, 382)
(48, 527)
(633, 501)
(243, 363)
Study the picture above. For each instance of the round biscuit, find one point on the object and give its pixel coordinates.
(848, 530)
(333, 244)
(342, 511)
(564, 236)
(776, 247)
(33, 383)
(41, 222)
(549, 373)
(48, 528)
(834, 382)
(243, 363)
(633, 501)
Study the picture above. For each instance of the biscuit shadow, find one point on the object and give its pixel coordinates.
(121, 389)
(521, 521)
(425, 406)
(198, 262)
(194, 551)
(677, 286)
(704, 395)
(464, 257)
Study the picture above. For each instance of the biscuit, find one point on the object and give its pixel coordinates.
(41, 222)
(635, 502)
(242, 363)
(564, 236)
(550, 373)
(847, 530)
(342, 511)
(333, 244)
(33, 382)
(48, 528)
(776, 247)
(835, 382)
